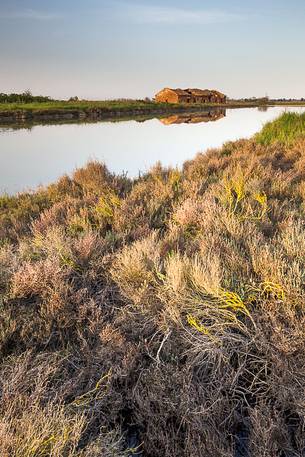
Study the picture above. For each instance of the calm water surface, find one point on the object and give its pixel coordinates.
(40, 155)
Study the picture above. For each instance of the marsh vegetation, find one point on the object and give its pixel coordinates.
(164, 313)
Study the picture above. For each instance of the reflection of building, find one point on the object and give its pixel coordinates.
(168, 95)
(194, 118)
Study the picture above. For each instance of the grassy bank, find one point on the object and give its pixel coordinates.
(88, 111)
(127, 105)
(164, 314)
(78, 105)
(286, 129)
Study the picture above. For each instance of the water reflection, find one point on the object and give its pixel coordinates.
(263, 109)
(205, 115)
(43, 153)
(194, 118)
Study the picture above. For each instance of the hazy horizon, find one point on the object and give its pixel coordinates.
(132, 49)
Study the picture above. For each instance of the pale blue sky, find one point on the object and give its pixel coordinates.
(132, 48)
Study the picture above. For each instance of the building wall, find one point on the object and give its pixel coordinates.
(201, 99)
(184, 99)
(205, 99)
(167, 96)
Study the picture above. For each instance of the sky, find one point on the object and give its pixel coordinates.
(99, 49)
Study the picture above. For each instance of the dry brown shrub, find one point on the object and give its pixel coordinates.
(35, 278)
(93, 178)
(58, 214)
(8, 264)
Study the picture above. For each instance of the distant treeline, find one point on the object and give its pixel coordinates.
(289, 99)
(267, 99)
(24, 97)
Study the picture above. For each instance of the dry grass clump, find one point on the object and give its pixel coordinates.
(136, 270)
(160, 317)
(54, 430)
(42, 432)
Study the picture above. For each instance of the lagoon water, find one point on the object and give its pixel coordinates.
(39, 155)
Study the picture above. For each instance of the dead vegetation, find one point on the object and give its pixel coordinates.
(158, 317)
